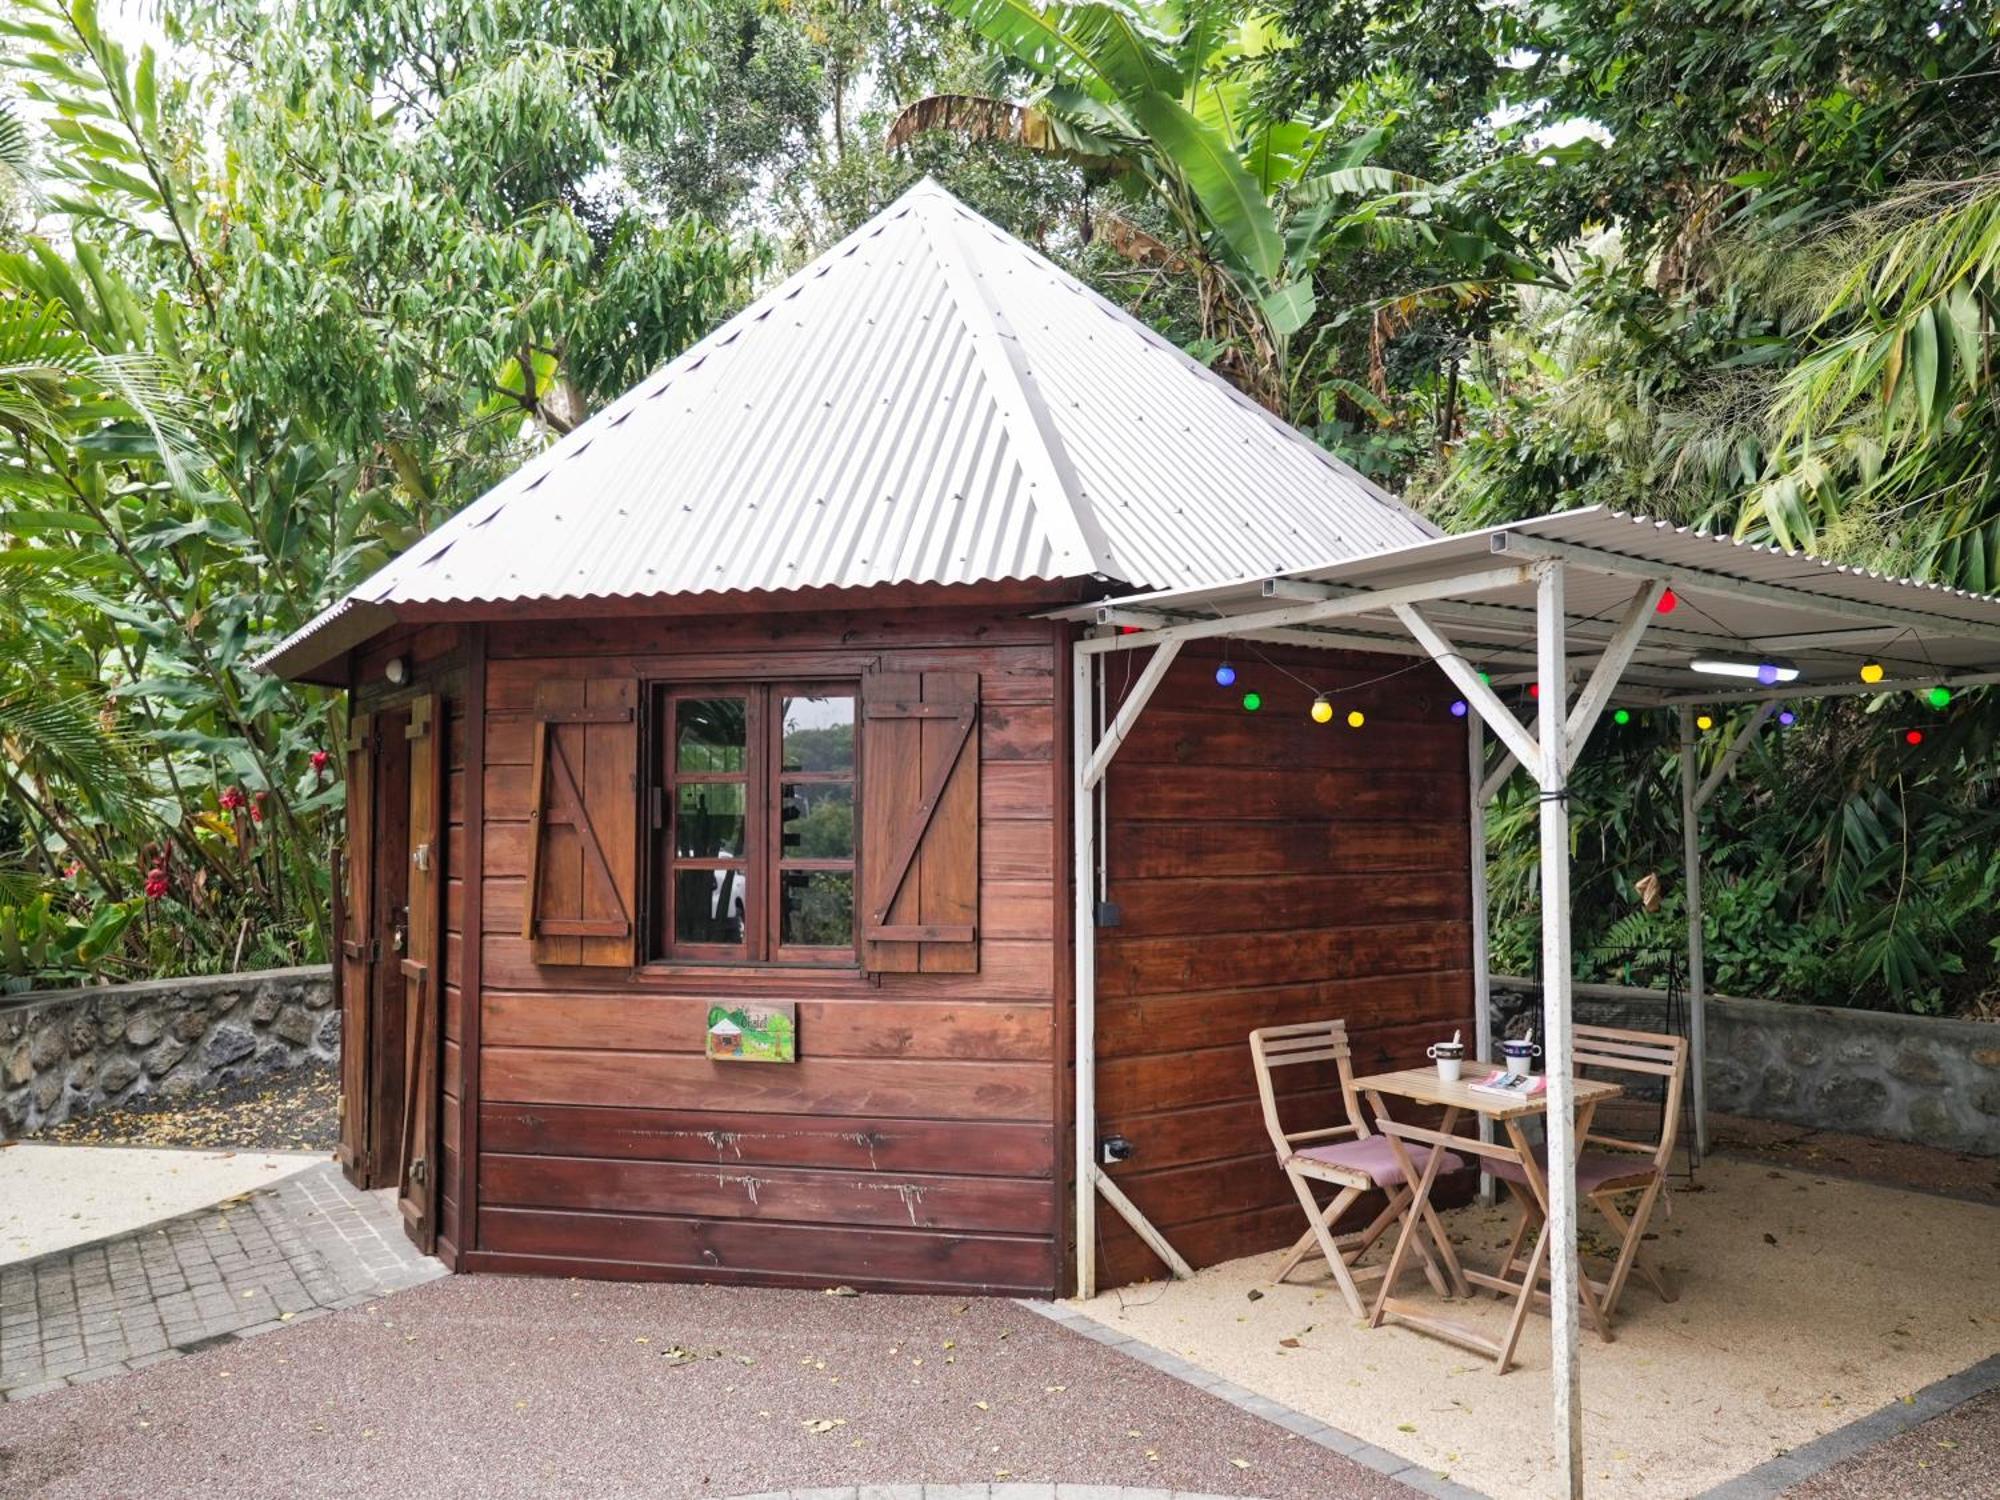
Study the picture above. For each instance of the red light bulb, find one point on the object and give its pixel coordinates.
(1669, 601)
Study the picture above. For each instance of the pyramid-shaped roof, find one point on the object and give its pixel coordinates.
(928, 402)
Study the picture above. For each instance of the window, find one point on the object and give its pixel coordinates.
(756, 856)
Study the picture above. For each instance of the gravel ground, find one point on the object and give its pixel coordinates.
(294, 1111)
(1892, 1163)
(504, 1387)
(1952, 1457)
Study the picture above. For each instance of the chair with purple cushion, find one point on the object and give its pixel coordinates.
(1609, 1166)
(1349, 1158)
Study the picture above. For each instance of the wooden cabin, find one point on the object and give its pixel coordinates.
(747, 691)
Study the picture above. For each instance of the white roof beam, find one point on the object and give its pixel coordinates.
(1610, 668)
(1311, 612)
(1700, 580)
(1499, 718)
(1129, 711)
(1839, 690)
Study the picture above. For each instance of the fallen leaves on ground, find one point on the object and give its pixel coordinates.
(293, 1111)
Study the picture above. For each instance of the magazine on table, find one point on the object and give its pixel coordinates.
(1512, 1085)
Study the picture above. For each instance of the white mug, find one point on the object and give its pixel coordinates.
(1521, 1055)
(1449, 1056)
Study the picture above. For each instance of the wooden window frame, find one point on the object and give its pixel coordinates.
(764, 780)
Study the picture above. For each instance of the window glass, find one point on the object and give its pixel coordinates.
(712, 735)
(756, 859)
(709, 819)
(819, 734)
(819, 820)
(710, 906)
(817, 908)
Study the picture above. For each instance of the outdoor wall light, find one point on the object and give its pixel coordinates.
(1767, 672)
(397, 671)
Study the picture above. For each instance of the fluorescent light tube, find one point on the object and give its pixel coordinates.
(1766, 672)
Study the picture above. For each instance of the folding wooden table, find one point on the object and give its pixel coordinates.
(1423, 1086)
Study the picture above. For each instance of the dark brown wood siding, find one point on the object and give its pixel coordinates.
(440, 659)
(1268, 869)
(914, 1143)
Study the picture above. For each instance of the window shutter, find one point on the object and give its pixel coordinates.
(583, 846)
(920, 822)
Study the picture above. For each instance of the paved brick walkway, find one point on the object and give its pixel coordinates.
(280, 1255)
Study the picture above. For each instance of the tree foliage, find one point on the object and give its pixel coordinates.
(277, 300)
(304, 288)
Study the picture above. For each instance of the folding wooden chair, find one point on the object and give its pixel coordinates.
(1356, 1165)
(1621, 1166)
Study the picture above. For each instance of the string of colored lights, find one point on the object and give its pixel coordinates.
(1768, 674)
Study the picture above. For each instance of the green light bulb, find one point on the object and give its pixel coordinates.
(1253, 701)
(1621, 717)
(1939, 696)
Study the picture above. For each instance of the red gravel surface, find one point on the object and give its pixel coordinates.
(498, 1386)
(1955, 1456)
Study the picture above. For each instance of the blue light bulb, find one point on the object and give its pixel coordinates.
(1225, 674)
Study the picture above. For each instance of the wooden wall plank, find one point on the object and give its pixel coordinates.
(1217, 847)
(799, 1195)
(1134, 965)
(733, 1138)
(833, 1086)
(810, 1255)
(866, 1026)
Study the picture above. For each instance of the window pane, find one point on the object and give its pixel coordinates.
(818, 909)
(711, 734)
(710, 905)
(819, 820)
(819, 734)
(708, 820)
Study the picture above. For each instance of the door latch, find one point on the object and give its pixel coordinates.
(421, 857)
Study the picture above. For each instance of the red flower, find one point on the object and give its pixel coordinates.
(156, 883)
(72, 872)
(232, 798)
(320, 760)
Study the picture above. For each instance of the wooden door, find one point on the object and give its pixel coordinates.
(422, 966)
(355, 957)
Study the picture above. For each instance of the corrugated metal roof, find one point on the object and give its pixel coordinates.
(930, 401)
(1736, 598)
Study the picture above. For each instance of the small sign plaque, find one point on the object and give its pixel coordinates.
(764, 1032)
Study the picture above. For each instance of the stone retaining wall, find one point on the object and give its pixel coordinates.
(64, 1053)
(1906, 1078)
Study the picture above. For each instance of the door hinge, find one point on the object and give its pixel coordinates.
(657, 807)
(418, 1169)
(374, 950)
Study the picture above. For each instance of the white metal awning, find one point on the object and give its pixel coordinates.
(1733, 600)
(1572, 602)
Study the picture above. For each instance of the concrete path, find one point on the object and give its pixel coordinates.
(53, 1197)
(246, 1266)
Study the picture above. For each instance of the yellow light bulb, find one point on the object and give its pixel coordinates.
(1704, 723)
(1356, 719)
(1871, 672)
(1321, 710)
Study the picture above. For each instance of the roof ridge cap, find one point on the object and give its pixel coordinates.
(1079, 542)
